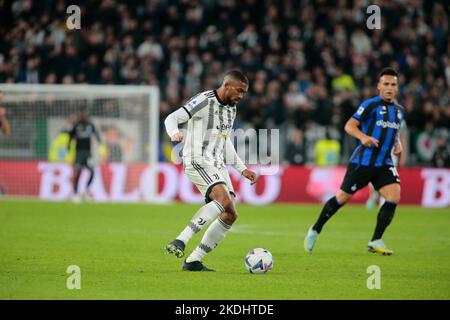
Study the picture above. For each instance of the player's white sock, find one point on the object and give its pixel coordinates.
(200, 220)
(212, 237)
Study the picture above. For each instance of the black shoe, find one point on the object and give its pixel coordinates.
(176, 247)
(195, 266)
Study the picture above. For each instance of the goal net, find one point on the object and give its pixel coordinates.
(35, 160)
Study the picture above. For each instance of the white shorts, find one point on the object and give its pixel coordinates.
(206, 176)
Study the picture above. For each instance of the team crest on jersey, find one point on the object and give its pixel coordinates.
(383, 108)
(360, 110)
(193, 103)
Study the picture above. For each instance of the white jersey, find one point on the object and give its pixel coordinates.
(209, 127)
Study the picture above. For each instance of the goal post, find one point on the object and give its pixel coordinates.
(35, 161)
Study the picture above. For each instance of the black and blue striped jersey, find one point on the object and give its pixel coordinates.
(382, 120)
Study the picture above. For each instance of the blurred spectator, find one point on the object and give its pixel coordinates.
(327, 151)
(441, 156)
(361, 42)
(91, 70)
(117, 143)
(60, 150)
(295, 151)
(426, 143)
(342, 81)
(30, 74)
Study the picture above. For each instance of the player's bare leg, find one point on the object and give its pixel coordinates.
(374, 197)
(77, 170)
(328, 210)
(391, 193)
(216, 231)
(87, 194)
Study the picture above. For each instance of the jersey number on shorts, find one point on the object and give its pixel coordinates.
(394, 171)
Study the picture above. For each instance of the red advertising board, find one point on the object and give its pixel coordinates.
(121, 182)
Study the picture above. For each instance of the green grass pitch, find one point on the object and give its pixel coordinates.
(118, 248)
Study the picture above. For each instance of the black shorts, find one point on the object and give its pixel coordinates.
(357, 177)
(82, 158)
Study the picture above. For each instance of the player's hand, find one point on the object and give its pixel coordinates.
(2, 112)
(177, 137)
(250, 175)
(398, 149)
(368, 141)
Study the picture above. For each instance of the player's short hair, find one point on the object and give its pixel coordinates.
(388, 72)
(237, 75)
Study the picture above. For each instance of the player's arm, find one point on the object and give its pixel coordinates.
(4, 122)
(353, 124)
(5, 126)
(400, 148)
(102, 148)
(172, 121)
(71, 135)
(96, 134)
(232, 158)
(352, 128)
(182, 115)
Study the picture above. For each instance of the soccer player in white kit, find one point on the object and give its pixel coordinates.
(208, 147)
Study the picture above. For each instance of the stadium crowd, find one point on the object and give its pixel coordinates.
(310, 62)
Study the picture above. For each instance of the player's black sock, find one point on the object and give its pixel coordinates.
(77, 178)
(330, 208)
(91, 176)
(385, 216)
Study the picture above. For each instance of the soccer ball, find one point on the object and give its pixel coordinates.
(259, 260)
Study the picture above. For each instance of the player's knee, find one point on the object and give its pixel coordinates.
(222, 199)
(394, 197)
(228, 205)
(225, 200)
(391, 193)
(230, 214)
(343, 197)
(229, 217)
(222, 195)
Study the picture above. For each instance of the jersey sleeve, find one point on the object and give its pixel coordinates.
(173, 119)
(232, 158)
(96, 134)
(195, 104)
(363, 111)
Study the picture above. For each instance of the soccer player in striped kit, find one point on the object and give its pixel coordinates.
(208, 147)
(376, 125)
